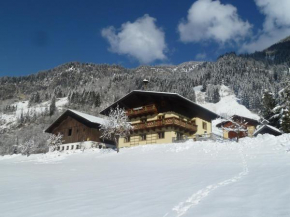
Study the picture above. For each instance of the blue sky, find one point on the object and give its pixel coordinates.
(40, 34)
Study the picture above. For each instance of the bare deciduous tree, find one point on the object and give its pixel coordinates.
(237, 127)
(117, 125)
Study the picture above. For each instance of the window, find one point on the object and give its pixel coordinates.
(179, 136)
(143, 137)
(161, 135)
(72, 147)
(69, 132)
(127, 139)
(78, 147)
(67, 147)
(58, 148)
(204, 125)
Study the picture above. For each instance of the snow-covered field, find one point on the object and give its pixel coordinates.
(250, 178)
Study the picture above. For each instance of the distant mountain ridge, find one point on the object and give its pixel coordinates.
(278, 53)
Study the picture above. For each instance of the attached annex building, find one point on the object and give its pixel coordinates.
(249, 124)
(78, 129)
(162, 117)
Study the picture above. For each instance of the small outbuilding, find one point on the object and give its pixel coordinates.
(248, 123)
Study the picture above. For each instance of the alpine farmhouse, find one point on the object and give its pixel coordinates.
(162, 117)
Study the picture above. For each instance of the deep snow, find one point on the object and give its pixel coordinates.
(228, 104)
(250, 178)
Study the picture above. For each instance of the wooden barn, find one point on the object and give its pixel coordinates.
(248, 123)
(76, 127)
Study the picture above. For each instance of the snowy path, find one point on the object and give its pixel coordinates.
(182, 208)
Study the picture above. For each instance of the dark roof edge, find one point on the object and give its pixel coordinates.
(67, 112)
(165, 93)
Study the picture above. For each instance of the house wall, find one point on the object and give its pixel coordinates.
(151, 137)
(250, 131)
(200, 130)
(170, 132)
(83, 145)
(80, 132)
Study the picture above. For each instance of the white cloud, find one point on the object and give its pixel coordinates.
(275, 27)
(141, 39)
(200, 56)
(211, 20)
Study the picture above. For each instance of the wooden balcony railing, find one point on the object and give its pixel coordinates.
(143, 110)
(166, 122)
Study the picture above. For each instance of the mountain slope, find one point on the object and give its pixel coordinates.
(228, 104)
(278, 53)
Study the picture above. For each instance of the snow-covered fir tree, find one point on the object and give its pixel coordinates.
(268, 106)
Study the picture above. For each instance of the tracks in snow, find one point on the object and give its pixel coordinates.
(182, 208)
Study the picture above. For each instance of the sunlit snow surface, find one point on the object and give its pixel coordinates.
(250, 178)
(228, 104)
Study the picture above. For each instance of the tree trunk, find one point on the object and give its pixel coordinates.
(117, 143)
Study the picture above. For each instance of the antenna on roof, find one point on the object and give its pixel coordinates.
(145, 82)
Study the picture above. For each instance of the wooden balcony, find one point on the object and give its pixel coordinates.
(143, 110)
(175, 122)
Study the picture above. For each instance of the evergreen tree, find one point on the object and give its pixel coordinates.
(285, 126)
(268, 105)
(52, 107)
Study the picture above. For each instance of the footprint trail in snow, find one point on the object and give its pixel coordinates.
(182, 208)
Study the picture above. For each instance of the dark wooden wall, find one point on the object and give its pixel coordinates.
(80, 132)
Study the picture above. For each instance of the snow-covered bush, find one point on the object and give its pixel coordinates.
(28, 147)
(54, 141)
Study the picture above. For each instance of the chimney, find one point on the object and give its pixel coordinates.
(145, 82)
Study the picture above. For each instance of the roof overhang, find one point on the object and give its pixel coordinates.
(69, 113)
(140, 98)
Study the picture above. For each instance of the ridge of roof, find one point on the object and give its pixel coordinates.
(268, 126)
(91, 118)
(158, 92)
(88, 118)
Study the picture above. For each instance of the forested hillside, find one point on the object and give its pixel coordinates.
(92, 87)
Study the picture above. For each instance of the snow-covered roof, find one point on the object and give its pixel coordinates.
(266, 126)
(89, 120)
(88, 117)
